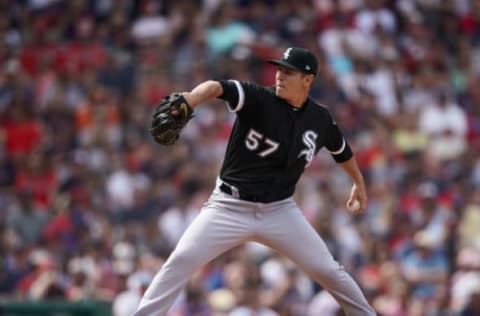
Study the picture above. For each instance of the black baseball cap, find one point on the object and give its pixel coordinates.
(297, 58)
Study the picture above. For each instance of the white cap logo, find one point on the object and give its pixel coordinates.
(286, 54)
(307, 67)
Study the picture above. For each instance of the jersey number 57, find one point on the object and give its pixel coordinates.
(255, 139)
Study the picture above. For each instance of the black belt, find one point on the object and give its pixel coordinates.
(230, 190)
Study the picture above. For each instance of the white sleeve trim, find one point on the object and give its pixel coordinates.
(340, 150)
(241, 97)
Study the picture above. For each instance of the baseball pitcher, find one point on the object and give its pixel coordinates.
(277, 132)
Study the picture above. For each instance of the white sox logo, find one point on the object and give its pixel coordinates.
(286, 54)
(308, 138)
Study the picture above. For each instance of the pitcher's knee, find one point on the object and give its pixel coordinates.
(328, 274)
(182, 260)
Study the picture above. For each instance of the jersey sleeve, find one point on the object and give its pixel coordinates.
(336, 144)
(241, 97)
(233, 94)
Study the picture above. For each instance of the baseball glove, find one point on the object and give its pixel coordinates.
(169, 118)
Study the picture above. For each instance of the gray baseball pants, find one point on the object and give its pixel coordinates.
(225, 222)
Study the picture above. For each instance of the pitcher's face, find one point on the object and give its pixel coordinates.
(289, 83)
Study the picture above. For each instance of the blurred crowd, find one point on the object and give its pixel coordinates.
(90, 206)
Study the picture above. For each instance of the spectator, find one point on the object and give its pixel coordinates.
(26, 220)
(393, 297)
(249, 300)
(425, 269)
(469, 236)
(431, 216)
(150, 26)
(23, 131)
(227, 31)
(38, 177)
(126, 301)
(466, 279)
(447, 135)
(375, 14)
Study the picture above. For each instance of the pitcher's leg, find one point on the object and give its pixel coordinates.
(211, 233)
(288, 232)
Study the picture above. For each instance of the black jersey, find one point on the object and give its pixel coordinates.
(273, 142)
